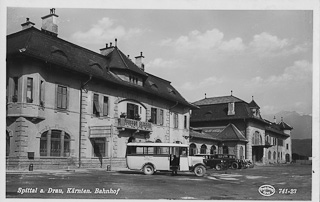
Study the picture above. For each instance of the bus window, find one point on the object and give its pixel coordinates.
(150, 150)
(131, 150)
(139, 150)
(183, 151)
(164, 150)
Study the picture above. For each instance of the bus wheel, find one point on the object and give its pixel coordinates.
(218, 167)
(199, 170)
(148, 169)
(234, 165)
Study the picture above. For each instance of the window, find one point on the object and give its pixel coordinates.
(175, 120)
(192, 149)
(161, 117)
(96, 107)
(213, 149)
(55, 143)
(231, 110)
(99, 147)
(29, 90)
(280, 142)
(241, 153)
(7, 144)
(15, 89)
(203, 149)
(287, 146)
(132, 111)
(62, 97)
(269, 155)
(41, 93)
(274, 155)
(105, 106)
(185, 122)
(153, 115)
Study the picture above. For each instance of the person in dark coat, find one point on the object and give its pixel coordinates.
(175, 165)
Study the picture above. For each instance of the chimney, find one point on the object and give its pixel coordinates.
(27, 24)
(139, 61)
(49, 23)
(274, 119)
(108, 49)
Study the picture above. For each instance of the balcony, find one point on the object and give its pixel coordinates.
(28, 110)
(134, 125)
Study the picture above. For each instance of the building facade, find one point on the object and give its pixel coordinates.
(68, 106)
(229, 125)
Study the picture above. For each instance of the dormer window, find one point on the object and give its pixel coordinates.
(231, 108)
(133, 79)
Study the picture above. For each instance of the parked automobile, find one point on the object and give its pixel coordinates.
(213, 161)
(230, 160)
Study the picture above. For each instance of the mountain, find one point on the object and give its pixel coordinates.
(302, 147)
(302, 124)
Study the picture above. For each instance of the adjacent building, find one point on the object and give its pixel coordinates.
(68, 106)
(229, 125)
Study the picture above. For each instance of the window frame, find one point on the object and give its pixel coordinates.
(96, 110)
(29, 90)
(105, 107)
(62, 97)
(175, 120)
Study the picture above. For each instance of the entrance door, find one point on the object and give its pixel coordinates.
(257, 154)
(287, 157)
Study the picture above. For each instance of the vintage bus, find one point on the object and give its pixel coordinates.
(151, 157)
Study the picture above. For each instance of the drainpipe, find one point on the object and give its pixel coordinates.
(80, 119)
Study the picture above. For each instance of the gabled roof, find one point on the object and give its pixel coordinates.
(118, 60)
(217, 100)
(214, 109)
(231, 133)
(50, 49)
(285, 126)
(275, 128)
(253, 104)
(195, 134)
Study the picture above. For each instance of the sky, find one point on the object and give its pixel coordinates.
(267, 54)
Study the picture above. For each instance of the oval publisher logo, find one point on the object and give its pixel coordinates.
(267, 190)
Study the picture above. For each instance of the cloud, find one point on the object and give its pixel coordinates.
(210, 81)
(208, 40)
(267, 45)
(162, 63)
(266, 42)
(299, 71)
(105, 30)
(262, 45)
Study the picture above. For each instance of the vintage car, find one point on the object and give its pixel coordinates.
(213, 161)
(231, 161)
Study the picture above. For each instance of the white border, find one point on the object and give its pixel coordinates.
(189, 5)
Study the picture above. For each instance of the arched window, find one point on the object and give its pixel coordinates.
(8, 144)
(213, 149)
(241, 154)
(274, 155)
(203, 149)
(256, 138)
(225, 150)
(192, 150)
(131, 139)
(269, 155)
(55, 143)
(158, 140)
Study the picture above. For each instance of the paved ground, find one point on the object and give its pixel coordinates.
(291, 182)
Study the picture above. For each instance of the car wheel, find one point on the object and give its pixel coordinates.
(200, 170)
(218, 167)
(148, 169)
(234, 165)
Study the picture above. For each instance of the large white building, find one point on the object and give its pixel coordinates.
(69, 106)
